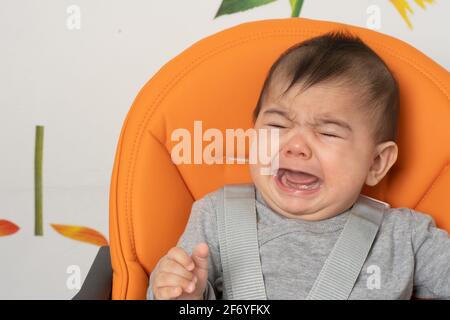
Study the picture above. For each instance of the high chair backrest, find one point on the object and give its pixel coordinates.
(217, 81)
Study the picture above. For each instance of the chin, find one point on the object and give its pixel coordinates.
(289, 205)
(297, 211)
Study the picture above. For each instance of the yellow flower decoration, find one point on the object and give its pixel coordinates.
(403, 7)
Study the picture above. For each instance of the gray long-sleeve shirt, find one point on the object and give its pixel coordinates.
(409, 257)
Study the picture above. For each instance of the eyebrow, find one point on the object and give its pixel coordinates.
(329, 120)
(278, 111)
(321, 120)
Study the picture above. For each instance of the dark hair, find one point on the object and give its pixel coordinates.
(341, 56)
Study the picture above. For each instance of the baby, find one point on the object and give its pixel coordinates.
(335, 104)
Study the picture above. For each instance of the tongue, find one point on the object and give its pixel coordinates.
(299, 177)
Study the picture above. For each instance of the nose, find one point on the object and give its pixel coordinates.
(296, 147)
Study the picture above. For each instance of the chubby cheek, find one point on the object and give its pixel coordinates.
(343, 170)
(261, 181)
(257, 177)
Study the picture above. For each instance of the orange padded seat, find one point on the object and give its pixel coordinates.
(217, 81)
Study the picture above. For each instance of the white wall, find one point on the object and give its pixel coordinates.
(80, 84)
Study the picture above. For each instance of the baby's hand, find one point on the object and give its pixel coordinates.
(180, 276)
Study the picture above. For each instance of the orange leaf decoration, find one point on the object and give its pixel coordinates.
(7, 228)
(83, 234)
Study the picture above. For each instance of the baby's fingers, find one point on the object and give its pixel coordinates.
(167, 293)
(166, 279)
(182, 257)
(172, 266)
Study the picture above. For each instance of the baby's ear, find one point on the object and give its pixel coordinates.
(384, 158)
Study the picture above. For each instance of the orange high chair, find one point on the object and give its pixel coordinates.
(218, 81)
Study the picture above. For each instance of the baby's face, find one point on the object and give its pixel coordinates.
(324, 133)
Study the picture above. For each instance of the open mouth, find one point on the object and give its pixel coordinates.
(295, 181)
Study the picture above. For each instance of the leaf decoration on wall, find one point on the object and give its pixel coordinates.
(38, 190)
(7, 228)
(403, 8)
(296, 7)
(82, 234)
(233, 6)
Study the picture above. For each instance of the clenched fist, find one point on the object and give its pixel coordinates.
(180, 276)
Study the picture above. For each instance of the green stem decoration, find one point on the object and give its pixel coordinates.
(297, 7)
(38, 154)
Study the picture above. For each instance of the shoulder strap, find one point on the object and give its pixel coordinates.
(238, 241)
(342, 267)
(239, 249)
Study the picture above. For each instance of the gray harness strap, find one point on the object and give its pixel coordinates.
(343, 265)
(239, 247)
